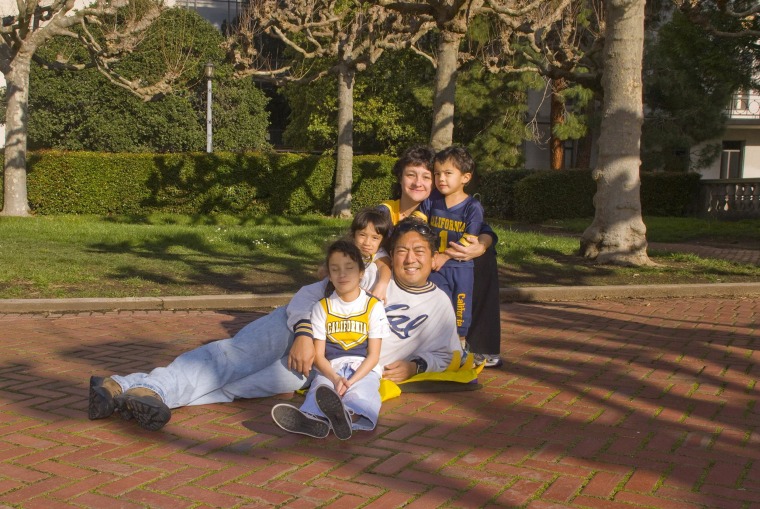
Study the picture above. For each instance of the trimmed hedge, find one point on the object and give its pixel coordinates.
(255, 183)
(497, 193)
(669, 193)
(537, 195)
(554, 194)
(286, 183)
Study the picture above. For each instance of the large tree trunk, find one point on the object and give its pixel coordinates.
(557, 118)
(442, 133)
(617, 234)
(343, 171)
(15, 201)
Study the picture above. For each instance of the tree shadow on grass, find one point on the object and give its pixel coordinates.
(191, 260)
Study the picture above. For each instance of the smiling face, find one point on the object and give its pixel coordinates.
(368, 240)
(416, 183)
(412, 259)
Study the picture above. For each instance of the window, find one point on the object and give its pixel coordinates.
(568, 149)
(732, 160)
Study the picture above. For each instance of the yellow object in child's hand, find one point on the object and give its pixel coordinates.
(465, 241)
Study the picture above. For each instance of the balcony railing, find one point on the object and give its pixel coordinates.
(744, 106)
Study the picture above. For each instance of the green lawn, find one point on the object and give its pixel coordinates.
(161, 255)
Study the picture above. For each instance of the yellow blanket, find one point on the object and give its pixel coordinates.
(456, 377)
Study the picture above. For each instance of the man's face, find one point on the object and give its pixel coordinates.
(412, 259)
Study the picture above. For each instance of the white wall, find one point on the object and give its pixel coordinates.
(751, 139)
(215, 11)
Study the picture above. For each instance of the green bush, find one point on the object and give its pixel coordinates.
(496, 190)
(197, 183)
(554, 195)
(534, 195)
(286, 183)
(669, 193)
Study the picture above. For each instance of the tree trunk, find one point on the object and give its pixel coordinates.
(557, 118)
(15, 200)
(344, 168)
(442, 134)
(617, 234)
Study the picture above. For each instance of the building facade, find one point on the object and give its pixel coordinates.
(740, 143)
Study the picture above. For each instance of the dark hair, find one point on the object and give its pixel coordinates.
(459, 156)
(371, 215)
(417, 225)
(349, 249)
(419, 155)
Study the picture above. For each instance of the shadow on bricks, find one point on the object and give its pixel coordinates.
(636, 403)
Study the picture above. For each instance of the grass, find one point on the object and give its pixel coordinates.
(162, 254)
(683, 229)
(85, 256)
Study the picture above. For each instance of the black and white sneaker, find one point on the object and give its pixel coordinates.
(489, 360)
(293, 420)
(332, 406)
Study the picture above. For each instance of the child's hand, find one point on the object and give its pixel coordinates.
(341, 385)
(379, 291)
(321, 271)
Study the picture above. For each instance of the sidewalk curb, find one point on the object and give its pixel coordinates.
(577, 293)
(258, 301)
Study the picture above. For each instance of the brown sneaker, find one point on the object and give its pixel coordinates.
(145, 406)
(101, 400)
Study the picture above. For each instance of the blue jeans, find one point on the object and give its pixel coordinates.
(253, 364)
(361, 399)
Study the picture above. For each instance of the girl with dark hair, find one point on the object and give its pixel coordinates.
(347, 327)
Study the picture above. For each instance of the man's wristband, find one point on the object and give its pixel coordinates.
(421, 365)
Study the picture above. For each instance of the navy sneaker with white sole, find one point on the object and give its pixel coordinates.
(293, 420)
(332, 406)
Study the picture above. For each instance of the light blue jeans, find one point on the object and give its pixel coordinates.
(253, 364)
(361, 399)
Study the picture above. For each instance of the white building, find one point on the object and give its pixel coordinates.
(740, 142)
(215, 11)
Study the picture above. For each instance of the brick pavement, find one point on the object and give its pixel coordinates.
(602, 404)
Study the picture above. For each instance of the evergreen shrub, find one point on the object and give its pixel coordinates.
(197, 183)
(554, 194)
(669, 193)
(496, 190)
(261, 183)
(538, 195)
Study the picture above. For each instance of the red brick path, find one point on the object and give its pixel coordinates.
(603, 404)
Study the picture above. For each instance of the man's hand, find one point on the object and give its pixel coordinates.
(301, 356)
(399, 371)
(439, 259)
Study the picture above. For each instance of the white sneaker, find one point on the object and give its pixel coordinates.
(489, 360)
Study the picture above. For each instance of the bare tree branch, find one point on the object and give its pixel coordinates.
(705, 13)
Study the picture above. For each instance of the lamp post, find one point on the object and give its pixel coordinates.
(209, 73)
